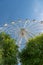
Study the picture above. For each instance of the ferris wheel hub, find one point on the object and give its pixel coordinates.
(23, 32)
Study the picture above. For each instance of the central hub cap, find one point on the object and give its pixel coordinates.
(22, 32)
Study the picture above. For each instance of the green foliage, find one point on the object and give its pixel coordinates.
(32, 54)
(8, 50)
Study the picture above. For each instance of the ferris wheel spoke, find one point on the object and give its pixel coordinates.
(10, 29)
(2, 30)
(10, 26)
(19, 40)
(27, 21)
(26, 37)
(14, 24)
(35, 33)
(32, 33)
(34, 24)
(36, 29)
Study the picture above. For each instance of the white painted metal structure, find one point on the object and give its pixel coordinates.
(23, 30)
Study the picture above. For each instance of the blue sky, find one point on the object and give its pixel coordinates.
(11, 10)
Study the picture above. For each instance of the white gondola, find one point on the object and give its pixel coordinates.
(12, 22)
(5, 25)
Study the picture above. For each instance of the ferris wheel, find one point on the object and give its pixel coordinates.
(22, 30)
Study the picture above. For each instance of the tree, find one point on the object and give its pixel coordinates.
(8, 50)
(32, 54)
